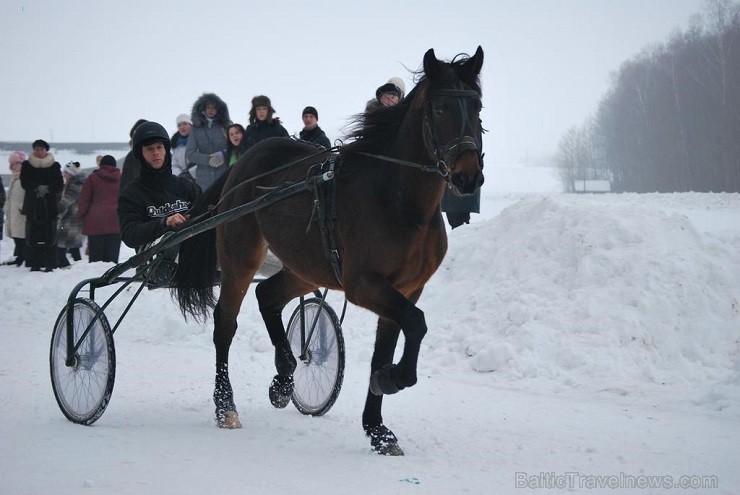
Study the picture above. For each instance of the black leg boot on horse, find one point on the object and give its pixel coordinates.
(223, 395)
(271, 302)
(382, 439)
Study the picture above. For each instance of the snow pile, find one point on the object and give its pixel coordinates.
(585, 291)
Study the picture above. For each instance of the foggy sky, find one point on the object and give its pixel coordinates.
(85, 71)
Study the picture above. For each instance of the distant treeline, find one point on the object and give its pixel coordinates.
(671, 120)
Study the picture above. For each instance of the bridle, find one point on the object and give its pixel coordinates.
(447, 153)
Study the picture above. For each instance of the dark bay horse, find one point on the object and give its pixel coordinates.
(389, 232)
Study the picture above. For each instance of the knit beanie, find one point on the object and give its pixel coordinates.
(72, 168)
(107, 160)
(183, 117)
(21, 156)
(312, 111)
(388, 88)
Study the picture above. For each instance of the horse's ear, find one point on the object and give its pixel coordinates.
(431, 64)
(475, 63)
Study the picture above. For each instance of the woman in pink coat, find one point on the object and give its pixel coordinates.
(96, 207)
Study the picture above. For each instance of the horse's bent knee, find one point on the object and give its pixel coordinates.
(413, 323)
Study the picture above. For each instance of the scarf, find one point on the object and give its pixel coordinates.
(44, 162)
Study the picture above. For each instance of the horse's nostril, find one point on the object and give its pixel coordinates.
(460, 180)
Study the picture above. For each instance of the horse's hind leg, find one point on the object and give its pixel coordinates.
(224, 329)
(239, 263)
(272, 296)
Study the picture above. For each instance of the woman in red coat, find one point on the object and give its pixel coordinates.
(96, 207)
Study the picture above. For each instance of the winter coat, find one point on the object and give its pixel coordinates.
(98, 201)
(143, 207)
(207, 137)
(37, 172)
(262, 130)
(40, 207)
(178, 146)
(69, 227)
(461, 204)
(316, 136)
(130, 170)
(2, 205)
(15, 225)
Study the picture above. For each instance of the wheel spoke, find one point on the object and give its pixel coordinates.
(83, 391)
(318, 379)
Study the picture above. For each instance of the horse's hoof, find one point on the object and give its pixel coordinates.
(383, 441)
(281, 390)
(383, 381)
(229, 420)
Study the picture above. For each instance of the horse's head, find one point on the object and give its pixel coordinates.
(452, 125)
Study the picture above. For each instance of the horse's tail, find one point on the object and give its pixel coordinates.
(196, 267)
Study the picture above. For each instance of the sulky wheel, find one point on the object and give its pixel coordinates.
(83, 387)
(318, 376)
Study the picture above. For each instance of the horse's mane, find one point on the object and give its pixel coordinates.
(373, 130)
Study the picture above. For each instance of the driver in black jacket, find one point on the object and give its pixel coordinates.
(157, 201)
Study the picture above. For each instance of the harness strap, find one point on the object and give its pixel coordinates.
(440, 167)
(212, 208)
(324, 208)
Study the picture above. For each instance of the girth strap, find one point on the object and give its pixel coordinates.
(325, 212)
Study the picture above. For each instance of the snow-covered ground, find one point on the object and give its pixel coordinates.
(580, 344)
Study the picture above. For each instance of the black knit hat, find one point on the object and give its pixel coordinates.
(388, 88)
(312, 111)
(40, 143)
(107, 160)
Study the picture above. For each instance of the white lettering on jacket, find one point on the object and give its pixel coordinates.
(167, 209)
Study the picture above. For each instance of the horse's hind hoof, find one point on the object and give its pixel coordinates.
(228, 420)
(281, 390)
(383, 381)
(383, 441)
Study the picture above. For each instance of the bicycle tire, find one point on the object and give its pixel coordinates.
(318, 377)
(83, 391)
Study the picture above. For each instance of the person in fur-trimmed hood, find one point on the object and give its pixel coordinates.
(262, 123)
(69, 227)
(41, 177)
(208, 139)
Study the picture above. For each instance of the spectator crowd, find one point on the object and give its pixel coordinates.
(53, 211)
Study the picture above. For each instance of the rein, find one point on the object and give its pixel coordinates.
(448, 152)
(440, 168)
(211, 208)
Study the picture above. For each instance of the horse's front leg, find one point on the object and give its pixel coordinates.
(224, 329)
(391, 378)
(397, 313)
(382, 439)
